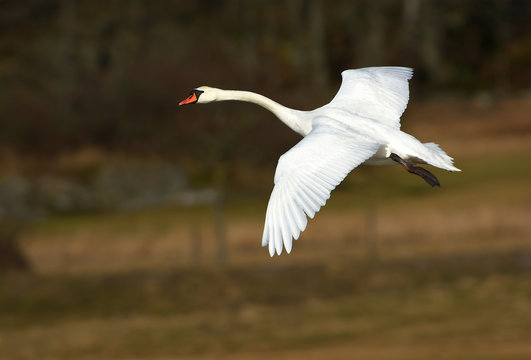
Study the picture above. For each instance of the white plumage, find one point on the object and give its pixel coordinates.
(304, 178)
(378, 93)
(361, 125)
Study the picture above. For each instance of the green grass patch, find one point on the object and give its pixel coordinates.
(241, 309)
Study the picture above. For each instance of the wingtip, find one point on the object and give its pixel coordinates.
(408, 71)
(271, 248)
(277, 250)
(271, 252)
(287, 246)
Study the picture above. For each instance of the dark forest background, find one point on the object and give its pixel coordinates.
(110, 73)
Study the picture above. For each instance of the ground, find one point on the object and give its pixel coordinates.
(389, 269)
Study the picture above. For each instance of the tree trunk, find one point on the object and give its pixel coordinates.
(410, 23)
(11, 256)
(430, 46)
(317, 51)
(373, 54)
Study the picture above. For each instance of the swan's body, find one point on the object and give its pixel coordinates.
(361, 125)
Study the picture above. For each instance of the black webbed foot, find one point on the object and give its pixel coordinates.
(423, 173)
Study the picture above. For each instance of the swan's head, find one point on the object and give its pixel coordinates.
(201, 95)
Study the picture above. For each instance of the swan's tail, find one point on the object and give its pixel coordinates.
(437, 157)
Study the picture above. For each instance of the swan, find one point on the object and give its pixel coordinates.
(361, 125)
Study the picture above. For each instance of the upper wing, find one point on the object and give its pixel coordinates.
(378, 93)
(304, 178)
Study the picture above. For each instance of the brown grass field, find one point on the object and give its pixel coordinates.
(389, 269)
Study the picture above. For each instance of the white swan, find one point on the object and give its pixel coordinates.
(361, 125)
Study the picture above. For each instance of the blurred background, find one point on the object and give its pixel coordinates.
(130, 228)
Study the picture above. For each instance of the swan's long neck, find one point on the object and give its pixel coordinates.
(294, 119)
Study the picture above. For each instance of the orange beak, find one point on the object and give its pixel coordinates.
(189, 100)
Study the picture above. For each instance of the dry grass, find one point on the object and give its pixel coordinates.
(389, 269)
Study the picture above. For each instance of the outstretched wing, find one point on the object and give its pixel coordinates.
(304, 178)
(378, 93)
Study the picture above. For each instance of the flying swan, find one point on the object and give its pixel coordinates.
(361, 125)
